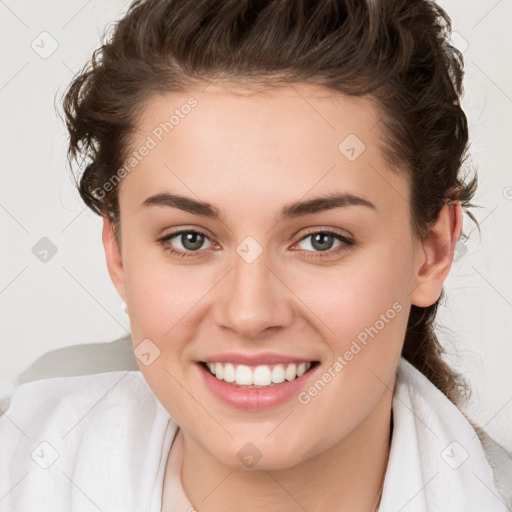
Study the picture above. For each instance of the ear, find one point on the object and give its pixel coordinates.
(113, 256)
(434, 255)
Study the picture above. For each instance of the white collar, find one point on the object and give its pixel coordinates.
(436, 460)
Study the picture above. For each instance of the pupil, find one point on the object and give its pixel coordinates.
(192, 241)
(319, 241)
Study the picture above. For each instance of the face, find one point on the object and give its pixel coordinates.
(221, 263)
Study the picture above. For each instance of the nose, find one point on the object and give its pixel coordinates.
(253, 299)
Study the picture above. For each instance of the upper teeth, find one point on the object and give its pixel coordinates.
(263, 375)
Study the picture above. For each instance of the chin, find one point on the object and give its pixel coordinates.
(259, 455)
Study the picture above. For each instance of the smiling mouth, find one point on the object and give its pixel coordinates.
(257, 377)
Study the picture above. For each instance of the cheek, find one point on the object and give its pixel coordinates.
(162, 298)
(160, 294)
(365, 292)
(363, 309)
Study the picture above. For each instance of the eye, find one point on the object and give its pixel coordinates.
(324, 241)
(187, 242)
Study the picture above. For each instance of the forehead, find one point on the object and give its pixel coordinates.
(224, 142)
(277, 117)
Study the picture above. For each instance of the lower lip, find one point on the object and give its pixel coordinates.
(253, 398)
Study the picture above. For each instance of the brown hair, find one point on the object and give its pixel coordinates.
(394, 52)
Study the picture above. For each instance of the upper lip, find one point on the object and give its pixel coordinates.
(255, 359)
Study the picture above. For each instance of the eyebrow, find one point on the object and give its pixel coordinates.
(290, 211)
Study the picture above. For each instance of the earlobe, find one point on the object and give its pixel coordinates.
(434, 255)
(113, 257)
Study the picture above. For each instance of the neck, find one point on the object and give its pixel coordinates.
(346, 477)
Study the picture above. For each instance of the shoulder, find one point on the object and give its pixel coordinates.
(82, 359)
(77, 394)
(74, 403)
(91, 429)
(452, 427)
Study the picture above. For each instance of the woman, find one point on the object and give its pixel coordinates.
(281, 185)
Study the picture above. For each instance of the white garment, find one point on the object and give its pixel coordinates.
(105, 441)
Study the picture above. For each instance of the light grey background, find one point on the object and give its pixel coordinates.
(70, 300)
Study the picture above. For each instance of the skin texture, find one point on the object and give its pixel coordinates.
(249, 155)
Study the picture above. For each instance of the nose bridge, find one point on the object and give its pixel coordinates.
(253, 298)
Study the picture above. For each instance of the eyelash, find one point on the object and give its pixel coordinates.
(346, 243)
